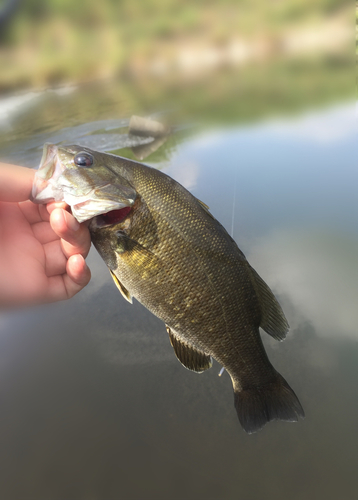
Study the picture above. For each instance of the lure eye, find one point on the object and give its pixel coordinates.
(83, 160)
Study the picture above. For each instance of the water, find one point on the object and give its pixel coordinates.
(94, 404)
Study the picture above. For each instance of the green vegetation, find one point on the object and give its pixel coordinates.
(55, 42)
(216, 60)
(356, 28)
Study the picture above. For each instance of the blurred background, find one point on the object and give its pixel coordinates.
(231, 59)
(93, 403)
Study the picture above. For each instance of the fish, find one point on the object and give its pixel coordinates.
(164, 248)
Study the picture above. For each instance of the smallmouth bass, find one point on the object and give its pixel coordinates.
(163, 247)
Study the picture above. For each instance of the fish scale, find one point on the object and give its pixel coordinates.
(175, 258)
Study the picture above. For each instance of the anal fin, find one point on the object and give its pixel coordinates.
(121, 288)
(188, 355)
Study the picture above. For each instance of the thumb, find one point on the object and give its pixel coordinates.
(15, 182)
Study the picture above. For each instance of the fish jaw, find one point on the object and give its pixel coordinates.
(94, 203)
(84, 191)
(44, 188)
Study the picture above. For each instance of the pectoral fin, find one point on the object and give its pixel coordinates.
(140, 259)
(121, 288)
(189, 357)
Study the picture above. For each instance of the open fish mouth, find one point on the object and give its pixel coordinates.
(88, 194)
(111, 218)
(88, 206)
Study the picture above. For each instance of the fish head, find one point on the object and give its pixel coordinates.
(82, 178)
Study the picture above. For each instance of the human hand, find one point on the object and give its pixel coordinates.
(42, 249)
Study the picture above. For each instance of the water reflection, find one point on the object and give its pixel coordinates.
(94, 403)
(317, 273)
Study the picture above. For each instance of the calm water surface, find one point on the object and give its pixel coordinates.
(95, 405)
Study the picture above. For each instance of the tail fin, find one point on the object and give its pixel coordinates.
(256, 406)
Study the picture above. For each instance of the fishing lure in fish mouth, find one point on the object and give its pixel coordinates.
(164, 247)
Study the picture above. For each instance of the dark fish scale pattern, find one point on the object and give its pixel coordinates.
(180, 263)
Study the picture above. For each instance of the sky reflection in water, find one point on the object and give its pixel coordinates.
(296, 208)
(94, 403)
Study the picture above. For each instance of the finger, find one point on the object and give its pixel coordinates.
(78, 275)
(44, 213)
(67, 285)
(30, 211)
(44, 233)
(55, 260)
(56, 204)
(61, 204)
(34, 212)
(38, 212)
(75, 236)
(15, 182)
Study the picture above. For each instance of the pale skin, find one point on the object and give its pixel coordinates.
(42, 248)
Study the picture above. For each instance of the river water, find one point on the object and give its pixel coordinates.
(95, 405)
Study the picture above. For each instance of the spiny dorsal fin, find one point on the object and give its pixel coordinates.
(189, 357)
(273, 320)
(206, 208)
(121, 288)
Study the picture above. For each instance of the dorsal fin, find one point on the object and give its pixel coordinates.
(189, 357)
(121, 288)
(273, 320)
(206, 208)
(204, 205)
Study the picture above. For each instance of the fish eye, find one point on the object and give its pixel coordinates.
(83, 160)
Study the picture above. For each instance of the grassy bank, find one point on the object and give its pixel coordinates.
(57, 42)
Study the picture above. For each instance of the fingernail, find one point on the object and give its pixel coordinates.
(72, 222)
